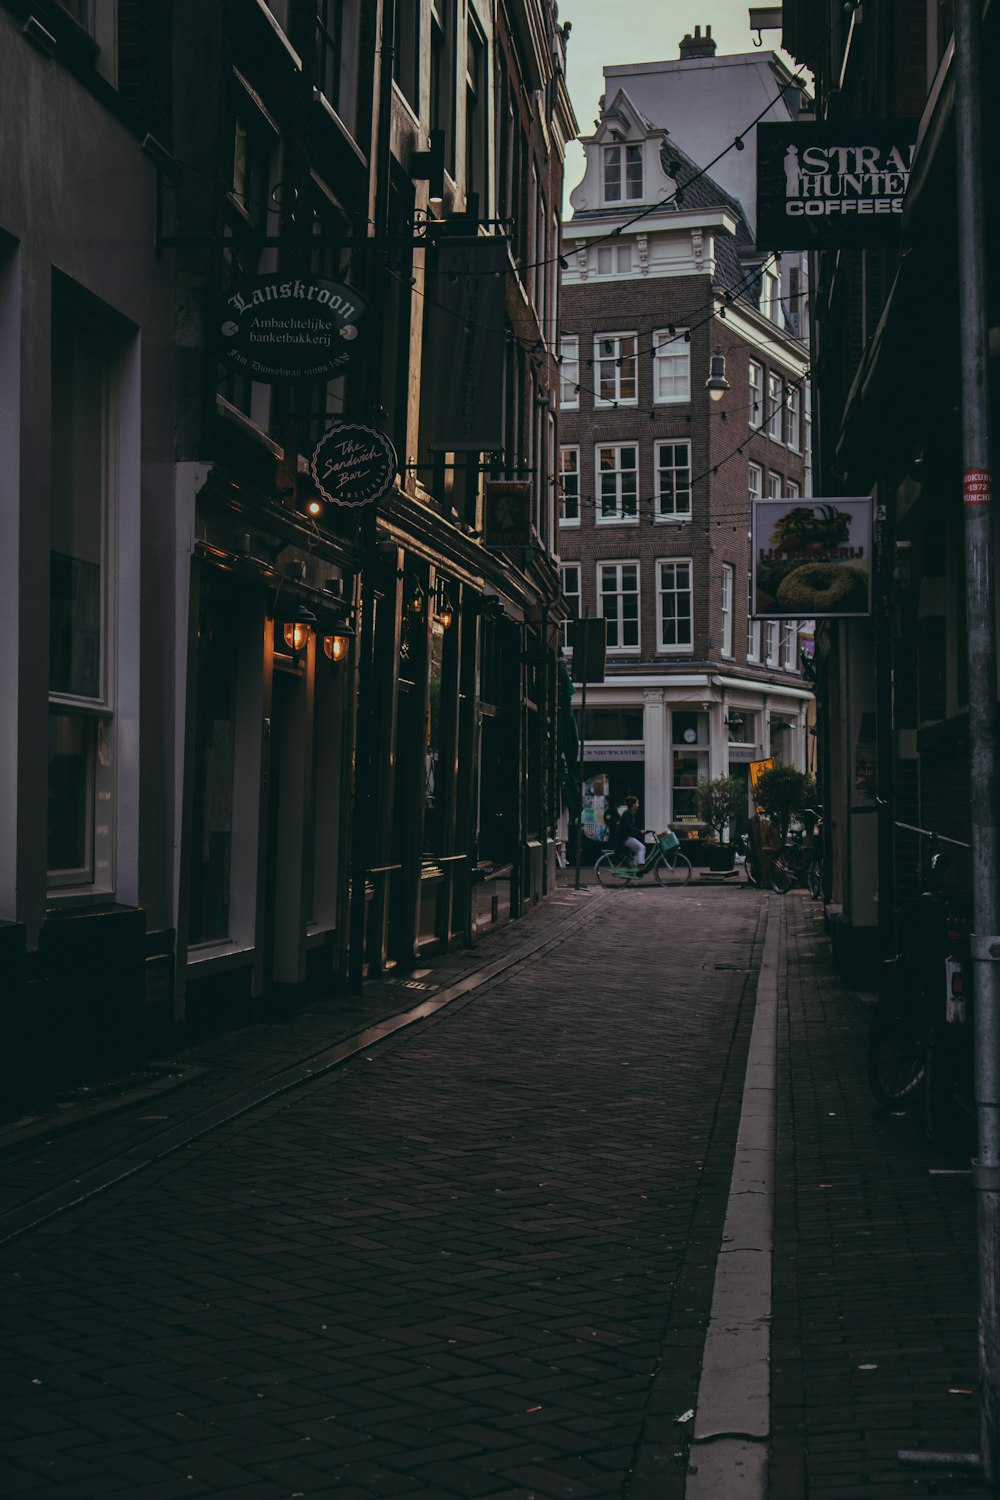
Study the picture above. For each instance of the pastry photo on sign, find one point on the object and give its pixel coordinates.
(812, 558)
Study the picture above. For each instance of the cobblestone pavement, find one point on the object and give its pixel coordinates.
(474, 1256)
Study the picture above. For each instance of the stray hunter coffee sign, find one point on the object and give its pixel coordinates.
(821, 185)
(291, 328)
(353, 464)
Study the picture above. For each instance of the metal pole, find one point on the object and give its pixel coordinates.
(579, 826)
(981, 617)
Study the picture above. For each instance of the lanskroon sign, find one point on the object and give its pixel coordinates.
(291, 328)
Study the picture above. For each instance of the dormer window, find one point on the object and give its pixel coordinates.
(622, 173)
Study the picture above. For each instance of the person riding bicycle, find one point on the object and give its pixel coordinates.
(628, 834)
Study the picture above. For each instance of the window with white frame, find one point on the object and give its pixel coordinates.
(775, 486)
(569, 574)
(727, 609)
(792, 491)
(753, 626)
(789, 636)
(617, 483)
(673, 479)
(338, 31)
(675, 605)
(614, 260)
(569, 373)
(770, 295)
(618, 602)
(81, 773)
(775, 406)
(771, 642)
(755, 476)
(622, 173)
(793, 418)
(569, 486)
(671, 367)
(615, 369)
(756, 395)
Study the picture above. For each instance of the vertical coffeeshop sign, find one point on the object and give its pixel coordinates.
(279, 327)
(466, 351)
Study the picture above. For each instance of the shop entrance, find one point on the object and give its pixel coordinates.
(605, 787)
(286, 771)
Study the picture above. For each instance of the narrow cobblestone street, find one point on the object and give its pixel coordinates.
(475, 1255)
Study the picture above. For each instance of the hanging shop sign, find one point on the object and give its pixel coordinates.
(589, 640)
(466, 351)
(353, 464)
(821, 185)
(507, 514)
(291, 328)
(811, 559)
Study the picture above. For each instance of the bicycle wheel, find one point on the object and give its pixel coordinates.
(610, 873)
(783, 874)
(814, 878)
(674, 869)
(897, 1048)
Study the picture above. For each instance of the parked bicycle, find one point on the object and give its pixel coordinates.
(920, 1049)
(664, 861)
(800, 861)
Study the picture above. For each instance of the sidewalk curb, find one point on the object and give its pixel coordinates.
(728, 1458)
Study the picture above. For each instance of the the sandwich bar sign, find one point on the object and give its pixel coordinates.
(291, 328)
(822, 185)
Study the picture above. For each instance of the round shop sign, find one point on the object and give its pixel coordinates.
(353, 464)
(291, 328)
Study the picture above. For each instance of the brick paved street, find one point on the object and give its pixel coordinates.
(474, 1255)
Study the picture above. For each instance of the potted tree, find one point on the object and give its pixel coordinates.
(718, 803)
(782, 792)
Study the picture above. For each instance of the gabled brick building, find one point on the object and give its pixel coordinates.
(663, 289)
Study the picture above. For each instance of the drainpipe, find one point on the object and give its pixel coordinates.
(368, 685)
(981, 616)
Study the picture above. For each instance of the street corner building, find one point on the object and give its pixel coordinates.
(278, 330)
(684, 399)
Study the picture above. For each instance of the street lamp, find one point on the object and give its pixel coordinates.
(717, 385)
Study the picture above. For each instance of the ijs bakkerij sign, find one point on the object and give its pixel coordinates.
(812, 559)
(277, 328)
(826, 186)
(353, 464)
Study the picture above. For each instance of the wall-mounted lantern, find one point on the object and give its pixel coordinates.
(295, 628)
(428, 166)
(415, 603)
(717, 385)
(443, 607)
(337, 640)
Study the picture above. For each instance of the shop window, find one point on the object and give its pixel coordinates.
(689, 759)
(81, 607)
(615, 368)
(742, 725)
(613, 724)
(671, 366)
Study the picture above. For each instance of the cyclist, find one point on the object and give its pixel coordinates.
(628, 834)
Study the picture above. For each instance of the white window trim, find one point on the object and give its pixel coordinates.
(756, 426)
(774, 415)
(771, 633)
(788, 657)
(619, 563)
(664, 339)
(753, 628)
(758, 493)
(676, 518)
(793, 417)
(601, 402)
(618, 519)
(661, 649)
(775, 491)
(569, 349)
(726, 645)
(575, 522)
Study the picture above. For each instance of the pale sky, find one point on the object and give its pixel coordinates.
(628, 31)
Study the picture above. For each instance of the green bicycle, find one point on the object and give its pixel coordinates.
(664, 860)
